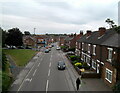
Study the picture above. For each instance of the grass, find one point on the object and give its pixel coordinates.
(20, 56)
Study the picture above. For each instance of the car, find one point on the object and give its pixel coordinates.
(61, 65)
(52, 45)
(46, 51)
(58, 48)
(70, 53)
(49, 49)
(20, 47)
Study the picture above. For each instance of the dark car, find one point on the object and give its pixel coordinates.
(52, 45)
(61, 65)
(46, 51)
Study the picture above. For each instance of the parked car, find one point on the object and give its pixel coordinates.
(49, 49)
(27, 47)
(58, 48)
(20, 47)
(46, 51)
(70, 53)
(61, 65)
(52, 45)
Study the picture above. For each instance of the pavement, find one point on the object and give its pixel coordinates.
(41, 74)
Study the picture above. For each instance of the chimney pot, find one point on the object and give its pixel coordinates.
(89, 32)
(102, 31)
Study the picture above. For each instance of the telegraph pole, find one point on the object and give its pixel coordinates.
(34, 31)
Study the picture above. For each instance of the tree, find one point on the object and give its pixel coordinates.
(4, 36)
(110, 22)
(116, 88)
(27, 33)
(14, 37)
(117, 29)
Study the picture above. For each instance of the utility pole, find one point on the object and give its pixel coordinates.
(34, 31)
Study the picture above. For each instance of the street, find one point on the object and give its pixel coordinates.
(45, 76)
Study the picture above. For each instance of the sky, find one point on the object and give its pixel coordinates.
(57, 16)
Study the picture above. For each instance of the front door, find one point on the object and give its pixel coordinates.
(98, 68)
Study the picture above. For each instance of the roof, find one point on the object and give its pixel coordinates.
(113, 41)
(68, 38)
(110, 38)
(82, 38)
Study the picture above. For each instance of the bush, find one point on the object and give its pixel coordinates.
(71, 49)
(85, 65)
(73, 58)
(116, 88)
(6, 81)
(64, 48)
(4, 61)
(73, 62)
(79, 65)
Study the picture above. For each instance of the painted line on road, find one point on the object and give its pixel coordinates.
(47, 85)
(34, 72)
(41, 59)
(50, 64)
(38, 64)
(49, 72)
(25, 78)
(30, 79)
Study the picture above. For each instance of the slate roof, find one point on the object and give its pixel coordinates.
(110, 38)
(113, 41)
(68, 38)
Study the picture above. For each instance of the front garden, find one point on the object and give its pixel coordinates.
(82, 67)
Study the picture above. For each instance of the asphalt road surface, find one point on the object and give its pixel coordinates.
(45, 76)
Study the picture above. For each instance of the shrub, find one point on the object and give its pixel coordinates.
(73, 62)
(6, 81)
(71, 49)
(116, 88)
(74, 57)
(79, 65)
(85, 65)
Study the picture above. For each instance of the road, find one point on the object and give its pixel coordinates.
(44, 75)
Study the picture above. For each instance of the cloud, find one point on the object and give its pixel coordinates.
(57, 16)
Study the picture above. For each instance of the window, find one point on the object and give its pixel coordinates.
(88, 48)
(110, 54)
(79, 45)
(93, 64)
(94, 48)
(82, 46)
(108, 75)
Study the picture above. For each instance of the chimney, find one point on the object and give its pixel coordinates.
(102, 31)
(81, 33)
(89, 32)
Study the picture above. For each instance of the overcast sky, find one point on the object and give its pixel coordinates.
(57, 16)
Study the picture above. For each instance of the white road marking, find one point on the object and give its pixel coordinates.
(38, 64)
(41, 59)
(47, 85)
(24, 79)
(30, 79)
(50, 64)
(49, 72)
(34, 72)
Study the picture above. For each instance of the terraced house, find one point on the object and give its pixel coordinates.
(101, 50)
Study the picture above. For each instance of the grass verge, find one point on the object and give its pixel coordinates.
(20, 56)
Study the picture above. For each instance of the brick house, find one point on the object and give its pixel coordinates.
(29, 41)
(95, 48)
(62, 40)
